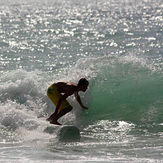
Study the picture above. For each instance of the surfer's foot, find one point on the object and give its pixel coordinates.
(48, 119)
(55, 123)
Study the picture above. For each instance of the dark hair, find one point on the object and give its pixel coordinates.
(82, 81)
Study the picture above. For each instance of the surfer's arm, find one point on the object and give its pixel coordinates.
(61, 100)
(79, 100)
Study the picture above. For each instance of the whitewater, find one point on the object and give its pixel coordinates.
(117, 45)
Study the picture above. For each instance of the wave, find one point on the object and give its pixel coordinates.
(121, 89)
(23, 99)
(127, 89)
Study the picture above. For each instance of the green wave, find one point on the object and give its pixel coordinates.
(127, 92)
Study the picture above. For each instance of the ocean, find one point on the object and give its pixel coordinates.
(117, 45)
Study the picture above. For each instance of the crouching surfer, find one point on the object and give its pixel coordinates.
(58, 92)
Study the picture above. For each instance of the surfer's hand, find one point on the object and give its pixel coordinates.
(84, 107)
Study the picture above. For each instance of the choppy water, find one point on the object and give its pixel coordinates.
(116, 44)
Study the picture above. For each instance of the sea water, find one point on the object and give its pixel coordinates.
(117, 45)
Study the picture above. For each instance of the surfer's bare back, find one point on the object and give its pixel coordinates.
(58, 92)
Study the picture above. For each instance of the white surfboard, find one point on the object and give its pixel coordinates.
(69, 132)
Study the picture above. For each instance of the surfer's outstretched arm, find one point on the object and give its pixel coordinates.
(79, 100)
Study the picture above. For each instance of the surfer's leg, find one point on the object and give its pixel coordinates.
(52, 117)
(60, 114)
(54, 95)
(63, 112)
(55, 122)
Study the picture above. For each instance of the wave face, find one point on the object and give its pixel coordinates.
(127, 89)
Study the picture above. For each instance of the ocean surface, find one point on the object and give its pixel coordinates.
(117, 45)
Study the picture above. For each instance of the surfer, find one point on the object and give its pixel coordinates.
(58, 92)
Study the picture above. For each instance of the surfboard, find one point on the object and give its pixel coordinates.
(69, 132)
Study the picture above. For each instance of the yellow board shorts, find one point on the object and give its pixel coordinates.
(55, 95)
